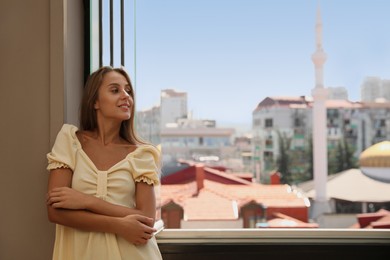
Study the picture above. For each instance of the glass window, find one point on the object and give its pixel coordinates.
(226, 56)
(268, 122)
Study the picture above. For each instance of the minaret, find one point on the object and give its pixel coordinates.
(320, 156)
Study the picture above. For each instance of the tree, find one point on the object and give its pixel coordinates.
(309, 156)
(283, 160)
(349, 158)
(341, 158)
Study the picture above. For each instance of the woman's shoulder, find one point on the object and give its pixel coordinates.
(145, 151)
(147, 148)
(69, 128)
(67, 132)
(145, 163)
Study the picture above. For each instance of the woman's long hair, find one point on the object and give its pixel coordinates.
(88, 117)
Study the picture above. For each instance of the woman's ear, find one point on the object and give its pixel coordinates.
(96, 105)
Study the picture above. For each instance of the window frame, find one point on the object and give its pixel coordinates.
(252, 235)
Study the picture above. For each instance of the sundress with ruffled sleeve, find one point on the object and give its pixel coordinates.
(115, 185)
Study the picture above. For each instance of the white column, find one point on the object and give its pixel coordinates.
(320, 156)
(320, 151)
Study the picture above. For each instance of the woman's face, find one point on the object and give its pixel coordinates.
(114, 101)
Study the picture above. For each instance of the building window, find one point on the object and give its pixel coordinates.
(269, 143)
(268, 122)
(297, 122)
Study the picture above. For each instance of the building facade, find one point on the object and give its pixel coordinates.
(183, 137)
(173, 106)
(148, 124)
(375, 89)
(356, 125)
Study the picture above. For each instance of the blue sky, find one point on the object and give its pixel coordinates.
(229, 55)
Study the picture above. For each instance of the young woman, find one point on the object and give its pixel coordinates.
(102, 177)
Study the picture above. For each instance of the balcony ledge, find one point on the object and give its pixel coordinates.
(288, 243)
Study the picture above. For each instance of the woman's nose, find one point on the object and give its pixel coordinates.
(125, 94)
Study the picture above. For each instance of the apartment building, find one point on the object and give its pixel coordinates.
(375, 89)
(337, 93)
(183, 137)
(148, 124)
(173, 106)
(357, 125)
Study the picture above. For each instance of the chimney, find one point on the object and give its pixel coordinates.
(199, 171)
(275, 178)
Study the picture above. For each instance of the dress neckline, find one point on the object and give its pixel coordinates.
(80, 147)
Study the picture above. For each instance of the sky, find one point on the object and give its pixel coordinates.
(230, 55)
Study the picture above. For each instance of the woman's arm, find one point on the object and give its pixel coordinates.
(134, 228)
(68, 198)
(145, 204)
(146, 199)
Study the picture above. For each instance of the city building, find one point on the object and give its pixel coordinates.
(273, 119)
(375, 89)
(199, 143)
(368, 191)
(173, 106)
(183, 137)
(386, 89)
(148, 124)
(355, 125)
(363, 195)
(337, 93)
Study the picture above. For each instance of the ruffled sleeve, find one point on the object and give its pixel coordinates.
(145, 164)
(63, 153)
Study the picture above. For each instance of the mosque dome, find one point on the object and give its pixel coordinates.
(375, 161)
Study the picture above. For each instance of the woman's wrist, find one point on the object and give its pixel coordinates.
(117, 225)
(89, 202)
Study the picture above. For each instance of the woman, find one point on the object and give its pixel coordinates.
(102, 177)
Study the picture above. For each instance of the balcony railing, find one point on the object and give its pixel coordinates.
(274, 244)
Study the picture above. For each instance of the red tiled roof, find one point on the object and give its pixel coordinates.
(219, 201)
(177, 193)
(213, 174)
(268, 195)
(375, 104)
(189, 174)
(379, 219)
(221, 195)
(295, 101)
(209, 206)
(281, 101)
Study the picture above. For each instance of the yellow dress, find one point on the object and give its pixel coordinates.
(116, 185)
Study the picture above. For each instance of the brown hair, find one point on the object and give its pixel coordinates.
(88, 117)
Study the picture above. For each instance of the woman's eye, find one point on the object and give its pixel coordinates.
(114, 90)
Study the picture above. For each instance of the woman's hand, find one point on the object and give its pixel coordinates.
(136, 229)
(67, 198)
